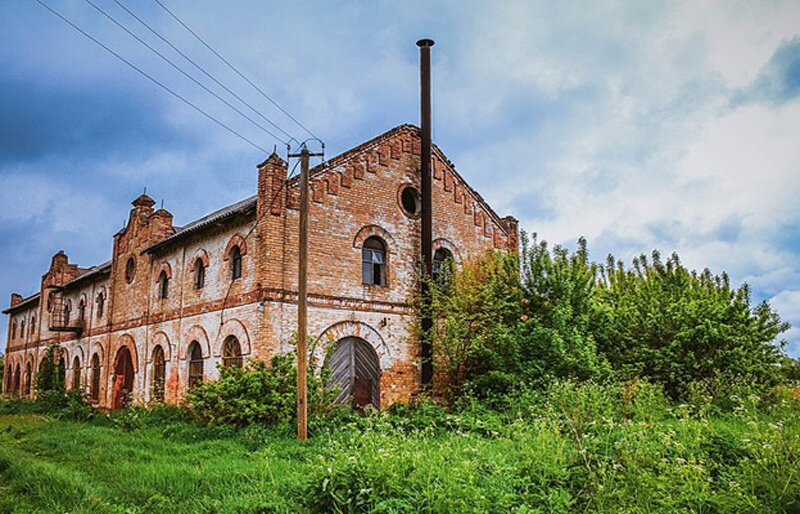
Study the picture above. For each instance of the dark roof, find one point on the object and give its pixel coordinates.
(86, 273)
(242, 207)
(31, 299)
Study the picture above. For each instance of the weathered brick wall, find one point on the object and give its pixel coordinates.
(354, 196)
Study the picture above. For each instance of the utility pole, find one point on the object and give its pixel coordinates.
(302, 300)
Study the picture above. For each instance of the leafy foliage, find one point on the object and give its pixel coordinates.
(51, 375)
(677, 326)
(257, 393)
(562, 317)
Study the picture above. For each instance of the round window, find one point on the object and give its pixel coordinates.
(130, 270)
(410, 201)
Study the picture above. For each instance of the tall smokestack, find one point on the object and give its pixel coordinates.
(427, 221)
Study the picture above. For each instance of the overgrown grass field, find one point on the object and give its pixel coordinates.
(575, 448)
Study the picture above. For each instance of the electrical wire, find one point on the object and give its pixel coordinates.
(231, 66)
(150, 77)
(289, 177)
(166, 59)
(200, 68)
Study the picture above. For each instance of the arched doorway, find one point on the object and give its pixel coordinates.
(356, 371)
(123, 378)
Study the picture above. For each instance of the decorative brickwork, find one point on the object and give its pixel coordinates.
(355, 195)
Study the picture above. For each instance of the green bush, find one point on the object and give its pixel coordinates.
(257, 393)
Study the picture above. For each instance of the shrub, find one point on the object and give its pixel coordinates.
(257, 393)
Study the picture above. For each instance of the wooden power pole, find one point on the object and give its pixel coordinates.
(302, 303)
(302, 299)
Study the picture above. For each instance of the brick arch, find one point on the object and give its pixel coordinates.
(166, 268)
(374, 230)
(236, 240)
(199, 254)
(127, 341)
(232, 327)
(196, 333)
(160, 338)
(98, 349)
(331, 335)
(447, 245)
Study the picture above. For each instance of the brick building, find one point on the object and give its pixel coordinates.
(174, 303)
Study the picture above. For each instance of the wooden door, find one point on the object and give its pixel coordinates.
(356, 372)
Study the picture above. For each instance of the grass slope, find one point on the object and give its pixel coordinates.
(579, 457)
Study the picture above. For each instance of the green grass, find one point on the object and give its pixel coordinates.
(575, 455)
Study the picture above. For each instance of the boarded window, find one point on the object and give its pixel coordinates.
(199, 274)
(373, 262)
(195, 364)
(232, 353)
(95, 389)
(236, 263)
(159, 374)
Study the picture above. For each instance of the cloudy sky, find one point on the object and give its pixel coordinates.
(639, 125)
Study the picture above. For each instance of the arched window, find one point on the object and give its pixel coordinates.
(28, 378)
(22, 329)
(236, 262)
(231, 353)
(33, 325)
(67, 311)
(82, 310)
(199, 274)
(17, 377)
(95, 389)
(195, 364)
(163, 285)
(76, 373)
(100, 305)
(61, 372)
(159, 374)
(373, 262)
(442, 259)
(14, 329)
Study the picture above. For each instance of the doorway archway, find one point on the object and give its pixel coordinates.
(356, 371)
(123, 379)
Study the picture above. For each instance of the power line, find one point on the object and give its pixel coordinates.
(231, 66)
(166, 59)
(155, 81)
(200, 68)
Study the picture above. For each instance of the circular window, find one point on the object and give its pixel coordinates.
(130, 270)
(410, 201)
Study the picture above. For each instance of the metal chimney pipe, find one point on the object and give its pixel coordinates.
(427, 221)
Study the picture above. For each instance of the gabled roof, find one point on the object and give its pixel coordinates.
(32, 299)
(245, 206)
(380, 139)
(86, 273)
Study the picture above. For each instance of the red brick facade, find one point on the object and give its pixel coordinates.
(152, 305)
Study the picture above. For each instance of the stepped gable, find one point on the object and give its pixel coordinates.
(371, 156)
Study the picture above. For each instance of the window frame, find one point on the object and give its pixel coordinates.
(163, 285)
(374, 256)
(199, 274)
(94, 391)
(159, 374)
(236, 262)
(231, 358)
(196, 365)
